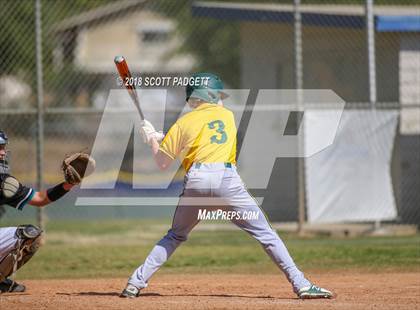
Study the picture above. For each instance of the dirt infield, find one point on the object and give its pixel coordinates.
(354, 291)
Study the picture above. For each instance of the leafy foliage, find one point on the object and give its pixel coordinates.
(213, 43)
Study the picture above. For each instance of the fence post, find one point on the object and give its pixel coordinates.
(40, 109)
(371, 56)
(299, 87)
(370, 34)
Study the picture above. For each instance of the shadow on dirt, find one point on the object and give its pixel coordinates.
(173, 295)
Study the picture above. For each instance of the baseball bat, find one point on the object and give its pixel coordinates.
(125, 75)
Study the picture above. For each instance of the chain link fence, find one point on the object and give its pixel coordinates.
(251, 45)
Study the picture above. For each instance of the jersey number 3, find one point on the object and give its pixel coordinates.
(222, 136)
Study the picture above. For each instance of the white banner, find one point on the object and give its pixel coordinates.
(350, 180)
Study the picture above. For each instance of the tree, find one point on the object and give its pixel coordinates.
(214, 44)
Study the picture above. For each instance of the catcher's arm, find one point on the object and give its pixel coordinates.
(41, 198)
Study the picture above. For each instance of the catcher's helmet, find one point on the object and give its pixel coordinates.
(3, 138)
(209, 89)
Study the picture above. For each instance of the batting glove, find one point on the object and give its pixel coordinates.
(148, 132)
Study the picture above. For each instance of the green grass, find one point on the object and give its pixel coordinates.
(86, 249)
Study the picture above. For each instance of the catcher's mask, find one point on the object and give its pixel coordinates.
(4, 161)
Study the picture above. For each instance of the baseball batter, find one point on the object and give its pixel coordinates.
(205, 141)
(19, 244)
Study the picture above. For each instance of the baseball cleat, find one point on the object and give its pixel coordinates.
(313, 291)
(130, 291)
(9, 286)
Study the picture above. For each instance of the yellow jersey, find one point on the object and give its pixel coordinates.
(205, 135)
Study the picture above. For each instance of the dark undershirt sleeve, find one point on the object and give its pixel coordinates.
(20, 199)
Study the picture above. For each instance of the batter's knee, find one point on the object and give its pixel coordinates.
(267, 239)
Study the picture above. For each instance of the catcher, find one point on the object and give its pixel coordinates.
(19, 244)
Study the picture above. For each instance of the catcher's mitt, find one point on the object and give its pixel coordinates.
(77, 166)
